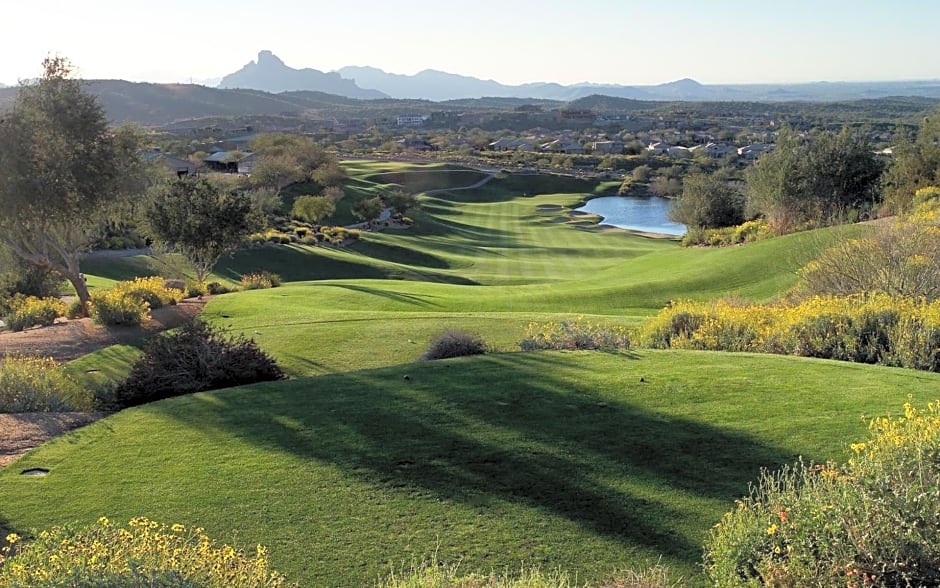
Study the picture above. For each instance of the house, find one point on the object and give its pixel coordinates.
(180, 167)
(511, 145)
(415, 144)
(608, 147)
(713, 150)
(231, 162)
(659, 148)
(752, 152)
(561, 146)
(679, 152)
(409, 120)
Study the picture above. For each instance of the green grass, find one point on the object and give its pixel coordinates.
(556, 460)
(563, 460)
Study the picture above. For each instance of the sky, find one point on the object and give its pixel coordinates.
(629, 42)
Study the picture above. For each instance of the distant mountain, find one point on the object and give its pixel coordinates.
(270, 74)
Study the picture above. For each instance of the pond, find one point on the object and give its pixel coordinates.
(649, 215)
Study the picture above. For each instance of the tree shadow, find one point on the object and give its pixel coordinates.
(529, 438)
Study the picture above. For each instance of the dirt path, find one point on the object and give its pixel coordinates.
(66, 341)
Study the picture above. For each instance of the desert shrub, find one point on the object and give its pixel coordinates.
(195, 290)
(435, 574)
(152, 290)
(194, 358)
(143, 553)
(75, 309)
(260, 280)
(29, 311)
(747, 232)
(215, 288)
(115, 308)
(257, 238)
(26, 279)
(454, 343)
(865, 328)
(572, 335)
(38, 384)
(869, 522)
(256, 281)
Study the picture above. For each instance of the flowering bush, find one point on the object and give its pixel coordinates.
(572, 335)
(151, 290)
(260, 280)
(869, 328)
(37, 384)
(115, 308)
(142, 554)
(747, 232)
(870, 522)
(29, 311)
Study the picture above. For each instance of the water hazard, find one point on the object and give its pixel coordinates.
(649, 215)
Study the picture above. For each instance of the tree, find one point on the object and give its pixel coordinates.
(400, 201)
(707, 202)
(335, 193)
(202, 221)
(368, 209)
(313, 209)
(285, 159)
(329, 174)
(641, 173)
(915, 165)
(821, 180)
(63, 173)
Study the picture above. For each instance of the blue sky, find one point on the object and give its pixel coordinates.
(511, 41)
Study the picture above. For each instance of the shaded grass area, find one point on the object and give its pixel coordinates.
(555, 459)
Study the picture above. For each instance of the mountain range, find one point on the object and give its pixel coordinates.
(270, 74)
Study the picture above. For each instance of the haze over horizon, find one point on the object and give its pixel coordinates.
(595, 41)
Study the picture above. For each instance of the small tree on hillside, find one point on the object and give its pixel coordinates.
(202, 221)
(400, 201)
(63, 173)
(313, 209)
(368, 209)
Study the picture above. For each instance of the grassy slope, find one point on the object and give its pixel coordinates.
(565, 460)
(552, 459)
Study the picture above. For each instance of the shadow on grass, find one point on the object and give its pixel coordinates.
(511, 428)
(404, 298)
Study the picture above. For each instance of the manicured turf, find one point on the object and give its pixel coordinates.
(586, 461)
(553, 459)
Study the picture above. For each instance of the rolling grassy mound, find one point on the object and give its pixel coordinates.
(587, 461)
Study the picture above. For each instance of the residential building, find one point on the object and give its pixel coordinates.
(608, 147)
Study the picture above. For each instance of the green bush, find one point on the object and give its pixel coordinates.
(194, 358)
(574, 335)
(29, 311)
(37, 384)
(75, 309)
(454, 343)
(142, 554)
(26, 279)
(870, 522)
(215, 288)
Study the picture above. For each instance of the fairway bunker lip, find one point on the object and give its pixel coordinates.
(35, 472)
